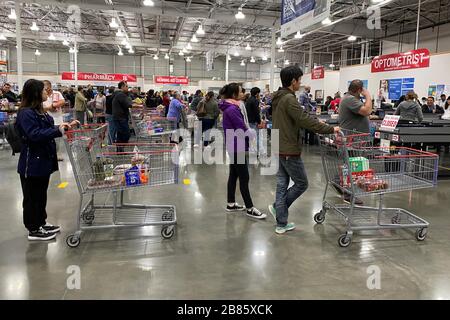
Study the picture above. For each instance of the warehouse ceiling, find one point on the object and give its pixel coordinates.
(169, 25)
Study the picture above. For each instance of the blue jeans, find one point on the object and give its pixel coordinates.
(111, 128)
(122, 131)
(289, 168)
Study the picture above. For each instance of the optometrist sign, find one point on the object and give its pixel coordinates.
(297, 15)
(413, 59)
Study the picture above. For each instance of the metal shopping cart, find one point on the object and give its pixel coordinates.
(356, 168)
(149, 126)
(101, 169)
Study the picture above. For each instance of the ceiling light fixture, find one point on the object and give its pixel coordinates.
(37, 52)
(200, 30)
(124, 42)
(248, 48)
(242, 63)
(119, 33)
(352, 38)
(236, 53)
(184, 50)
(131, 50)
(128, 46)
(252, 60)
(2, 36)
(239, 15)
(34, 26)
(194, 38)
(12, 15)
(279, 41)
(148, 3)
(167, 56)
(189, 47)
(51, 37)
(65, 42)
(327, 21)
(228, 57)
(298, 35)
(114, 24)
(332, 66)
(72, 50)
(286, 62)
(155, 57)
(264, 57)
(120, 53)
(281, 49)
(181, 53)
(188, 59)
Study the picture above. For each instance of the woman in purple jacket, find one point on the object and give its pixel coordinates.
(236, 140)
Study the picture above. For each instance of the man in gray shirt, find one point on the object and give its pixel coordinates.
(353, 113)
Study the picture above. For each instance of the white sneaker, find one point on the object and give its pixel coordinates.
(255, 213)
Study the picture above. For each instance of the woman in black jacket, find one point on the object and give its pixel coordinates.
(37, 158)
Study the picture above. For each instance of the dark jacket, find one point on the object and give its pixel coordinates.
(108, 103)
(120, 106)
(195, 102)
(253, 110)
(11, 96)
(38, 154)
(288, 117)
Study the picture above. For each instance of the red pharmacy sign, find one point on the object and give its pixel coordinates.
(91, 76)
(171, 80)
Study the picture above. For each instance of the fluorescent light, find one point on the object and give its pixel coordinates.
(279, 41)
(148, 3)
(155, 57)
(34, 26)
(188, 59)
(2, 36)
(194, 38)
(119, 33)
(286, 62)
(242, 63)
(120, 53)
(281, 49)
(252, 60)
(12, 15)
(189, 47)
(352, 38)
(200, 30)
(65, 42)
(166, 56)
(327, 21)
(131, 50)
(298, 35)
(239, 15)
(51, 37)
(181, 53)
(37, 52)
(114, 24)
(264, 58)
(248, 48)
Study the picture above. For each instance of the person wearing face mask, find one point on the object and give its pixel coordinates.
(37, 159)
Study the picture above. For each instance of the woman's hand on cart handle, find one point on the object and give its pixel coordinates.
(74, 123)
(64, 127)
(337, 130)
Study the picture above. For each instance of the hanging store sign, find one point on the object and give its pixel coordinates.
(91, 76)
(171, 80)
(413, 59)
(297, 15)
(318, 73)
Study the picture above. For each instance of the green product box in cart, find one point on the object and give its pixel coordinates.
(359, 164)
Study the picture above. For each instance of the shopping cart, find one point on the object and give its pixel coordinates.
(356, 168)
(153, 128)
(100, 169)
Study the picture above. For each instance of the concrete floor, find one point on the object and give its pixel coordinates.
(215, 255)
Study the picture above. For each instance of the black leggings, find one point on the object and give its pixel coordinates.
(239, 171)
(34, 191)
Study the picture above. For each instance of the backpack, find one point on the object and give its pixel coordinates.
(201, 109)
(13, 137)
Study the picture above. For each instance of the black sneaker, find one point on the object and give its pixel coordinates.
(255, 213)
(51, 228)
(235, 207)
(40, 235)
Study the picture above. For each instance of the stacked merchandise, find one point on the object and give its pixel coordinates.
(362, 176)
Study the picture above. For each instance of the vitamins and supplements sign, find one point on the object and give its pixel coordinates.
(413, 59)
